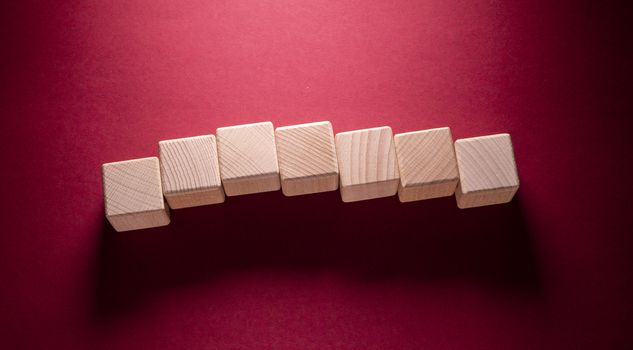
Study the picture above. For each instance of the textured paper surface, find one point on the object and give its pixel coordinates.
(84, 83)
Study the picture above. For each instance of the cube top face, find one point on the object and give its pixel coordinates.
(366, 156)
(426, 156)
(189, 164)
(486, 163)
(306, 150)
(247, 151)
(132, 186)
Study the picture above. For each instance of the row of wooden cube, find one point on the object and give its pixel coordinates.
(304, 159)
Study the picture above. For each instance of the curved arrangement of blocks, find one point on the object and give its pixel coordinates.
(304, 159)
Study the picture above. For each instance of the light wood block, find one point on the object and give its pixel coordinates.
(248, 159)
(487, 171)
(190, 172)
(307, 158)
(133, 194)
(426, 160)
(367, 164)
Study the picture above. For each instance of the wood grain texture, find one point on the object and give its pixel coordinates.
(133, 194)
(307, 158)
(190, 172)
(248, 158)
(367, 164)
(487, 171)
(427, 165)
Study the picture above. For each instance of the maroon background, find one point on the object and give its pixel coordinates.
(84, 84)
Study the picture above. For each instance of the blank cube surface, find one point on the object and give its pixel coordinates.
(248, 158)
(487, 171)
(133, 194)
(367, 164)
(426, 160)
(307, 158)
(190, 172)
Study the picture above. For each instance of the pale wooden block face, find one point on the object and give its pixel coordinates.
(133, 194)
(426, 160)
(307, 158)
(367, 164)
(487, 170)
(190, 172)
(248, 158)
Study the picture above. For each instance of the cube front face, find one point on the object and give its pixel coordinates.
(133, 194)
(483, 198)
(367, 164)
(427, 164)
(248, 159)
(487, 171)
(190, 172)
(138, 221)
(307, 158)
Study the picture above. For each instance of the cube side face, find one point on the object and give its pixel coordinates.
(307, 158)
(367, 164)
(486, 163)
(247, 153)
(190, 171)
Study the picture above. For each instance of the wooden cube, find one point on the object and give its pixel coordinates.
(426, 160)
(190, 172)
(367, 164)
(248, 159)
(133, 194)
(307, 158)
(487, 171)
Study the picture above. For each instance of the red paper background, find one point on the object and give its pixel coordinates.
(85, 83)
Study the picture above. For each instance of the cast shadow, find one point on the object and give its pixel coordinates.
(367, 241)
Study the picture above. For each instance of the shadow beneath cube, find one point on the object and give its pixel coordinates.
(364, 241)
